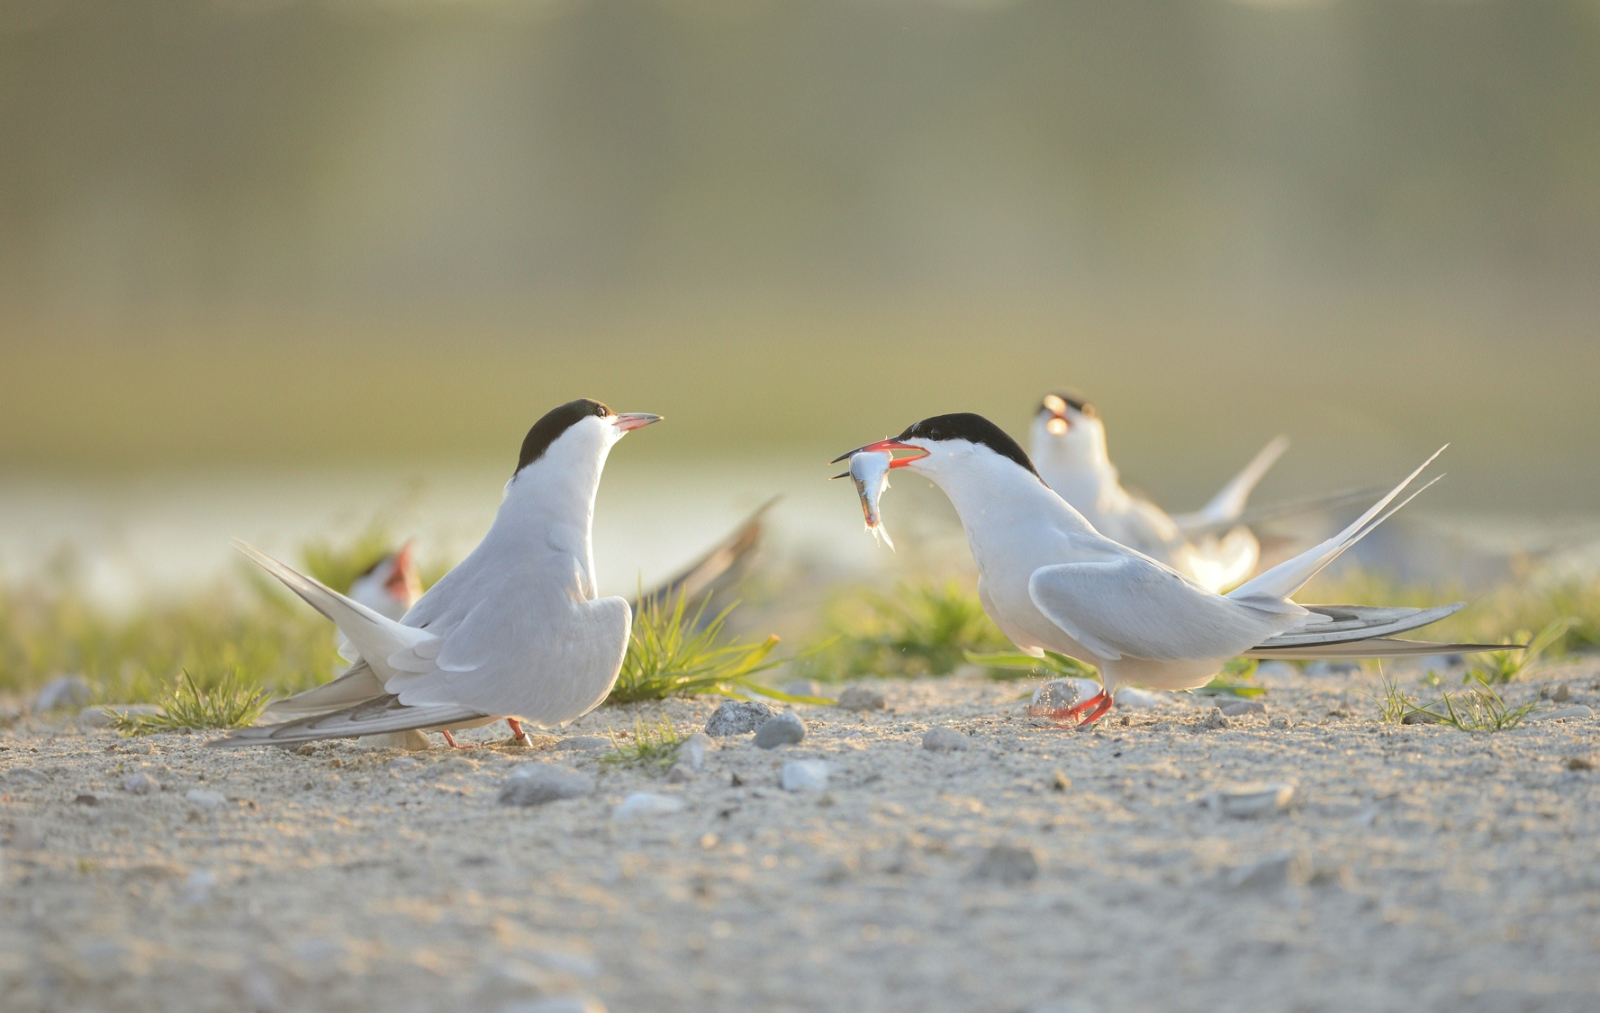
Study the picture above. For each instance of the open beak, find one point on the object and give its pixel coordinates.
(627, 422)
(885, 447)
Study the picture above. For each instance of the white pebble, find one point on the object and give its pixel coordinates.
(944, 740)
(803, 775)
(645, 804)
(1252, 800)
(140, 784)
(202, 799)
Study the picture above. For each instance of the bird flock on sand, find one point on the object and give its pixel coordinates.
(1069, 562)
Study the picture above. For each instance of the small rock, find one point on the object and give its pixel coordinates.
(1138, 699)
(783, 730)
(1580, 763)
(558, 1004)
(203, 799)
(737, 717)
(1267, 874)
(1321, 668)
(140, 784)
(539, 783)
(1276, 673)
(1059, 695)
(1007, 863)
(1420, 717)
(197, 888)
(1239, 708)
(102, 715)
(85, 800)
(803, 775)
(309, 749)
(583, 743)
(860, 698)
(1059, 781)
(944, 740)
(643, 804)
(63, 691)
(1562, 693)
(1281, 721)
(1562, 714)
(1211, 720)
(1252, 800)
(412, 741)
(803, 687)
(690, 758)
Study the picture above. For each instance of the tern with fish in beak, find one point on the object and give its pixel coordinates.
(1051, 582)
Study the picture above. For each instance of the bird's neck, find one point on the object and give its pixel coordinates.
(1001, 505)
(549, 509)
(1080, 471)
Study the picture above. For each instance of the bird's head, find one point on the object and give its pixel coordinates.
(1066, 426)
(578, 433)
(391, 585)
(947, 446)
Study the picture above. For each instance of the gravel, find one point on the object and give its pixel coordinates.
(861, 698)
(803, 775)
(944, 740)
(539, 783)
(737, 717)
(1007, 863)
(783, 730)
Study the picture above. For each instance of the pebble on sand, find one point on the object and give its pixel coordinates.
(690, 758)
(200, 798)
(944, 740)
(1007, 863)
(783, 730)
(1239, 708)
(140, 784)
(102, 715)
(803, 775)
(63, 691)
(1562, 714)
(860, 698)
(643, 804)
(539, 783)
(737, 717)
(1252, 800)
(1267, 874)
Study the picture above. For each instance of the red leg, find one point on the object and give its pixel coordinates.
(517, 733)
(1086, 712)
(452, 740)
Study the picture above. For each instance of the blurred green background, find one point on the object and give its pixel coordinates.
(295, 232)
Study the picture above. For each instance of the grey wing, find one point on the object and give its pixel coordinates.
(1134, 606)
(372, 717)
(357, 685)
(502, 660)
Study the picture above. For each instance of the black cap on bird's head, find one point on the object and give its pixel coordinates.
(558, 420)
(967, 426)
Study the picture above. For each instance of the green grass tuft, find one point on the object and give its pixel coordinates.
(1500, 667)
(1478, 709)
(654, 744)
(924, 629)
(670, 653)
(229, 702)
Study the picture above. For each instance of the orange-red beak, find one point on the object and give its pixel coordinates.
(400, 578)
(887, 447)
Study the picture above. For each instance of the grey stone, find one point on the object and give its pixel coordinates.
(1239, 708)
(412, 741)
(1007, 863)
(63, 691)
(1249, 801)
(1562, 714)
(1420, 717)
(690, 758)
(646, 804)
(803, 687)
(803, 775)
(1561, 694)
(783, 730)
(944, 740)
(1060, 694)
(200, 798)
(1270, 873)
(1320, 668)
(539, 783)
(582, 743)
(140, 784)
(737, 717)
(558, 1004)
(860, 698)
(1211, 720)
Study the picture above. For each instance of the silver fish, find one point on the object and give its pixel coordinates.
(870, 470)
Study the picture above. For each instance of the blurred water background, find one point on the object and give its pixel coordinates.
(271, 268)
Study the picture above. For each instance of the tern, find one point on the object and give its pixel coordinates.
(514, 631)
(1069, 449)
(1051, 582)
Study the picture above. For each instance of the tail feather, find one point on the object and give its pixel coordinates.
(1291, 575)
(1229, 502)
(1377, 647)
(1342, 624)
(723, 565)
(374, 636)
(357, 685)
(383, 714)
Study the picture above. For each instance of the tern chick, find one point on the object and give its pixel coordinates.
(1052, 582)
(514, 631)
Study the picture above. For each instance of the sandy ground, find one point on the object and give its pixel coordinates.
(1417, 868)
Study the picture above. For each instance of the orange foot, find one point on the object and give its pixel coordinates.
(1085, 713)
(517, 734)
(453, 743)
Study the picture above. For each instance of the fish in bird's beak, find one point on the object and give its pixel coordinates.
(870, 471)
(627, 422)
